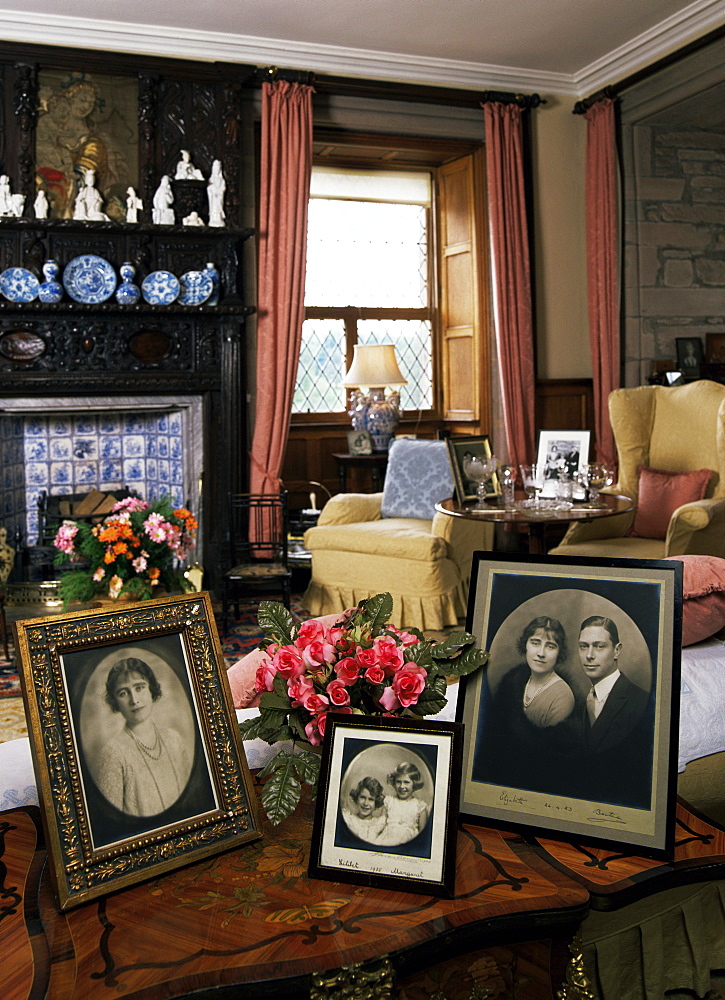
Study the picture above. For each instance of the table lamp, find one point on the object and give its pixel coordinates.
(374, 366)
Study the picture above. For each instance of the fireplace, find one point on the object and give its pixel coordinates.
(149, 444)
(105, 396)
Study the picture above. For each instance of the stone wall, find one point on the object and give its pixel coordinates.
(674, 243)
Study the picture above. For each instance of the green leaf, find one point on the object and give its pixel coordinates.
(274, 701)
(297, 726)
(307, 765)
(466, 663)
(377, 610)
(452, 644)
(249, 728)
(434, 699)
(276, 621)
(273, 714)
(281, 792)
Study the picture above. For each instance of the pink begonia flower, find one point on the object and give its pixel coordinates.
(366, 657)
(347, 670)
(408, 684)
(315, 728)
(299, 688)
(266, 674)
(406, 638)
(338, 693)
(375, 675)
(139, 564)
(99, 574)
(315, 703)
(310, 631)
(288, 661)
(389, 700)
(389, 654)
(318, 653)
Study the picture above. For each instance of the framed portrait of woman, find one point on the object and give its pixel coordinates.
(572, 725)
(135, 744)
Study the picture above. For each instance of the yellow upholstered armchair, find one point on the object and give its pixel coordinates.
(395, 541)
(679, 429)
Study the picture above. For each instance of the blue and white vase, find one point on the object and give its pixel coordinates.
(50, 290)
(127, 293)
(213, 299)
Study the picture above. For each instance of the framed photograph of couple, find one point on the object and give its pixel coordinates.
(572, 727)
(561, 452)
(135, 743)
(387, 803)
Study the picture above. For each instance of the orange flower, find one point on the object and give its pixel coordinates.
(154, 573)
(120, 548)
(108, 556)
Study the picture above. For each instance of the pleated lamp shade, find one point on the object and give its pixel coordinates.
(375, 366)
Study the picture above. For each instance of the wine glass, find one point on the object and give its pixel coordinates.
(479, 468)
(533, 477)
(598, 476)
(507, 475)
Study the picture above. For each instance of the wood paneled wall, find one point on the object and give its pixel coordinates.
(565, 404)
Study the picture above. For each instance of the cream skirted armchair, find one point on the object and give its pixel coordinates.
(395, 541)
(666, 437)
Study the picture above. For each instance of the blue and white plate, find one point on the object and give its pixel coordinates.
(18, 284)
(89, 279)
(160, 288)
(196, 288)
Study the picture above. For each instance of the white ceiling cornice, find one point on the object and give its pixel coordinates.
(696, 20)
(668, 36)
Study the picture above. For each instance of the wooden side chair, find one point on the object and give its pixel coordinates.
(258, 558)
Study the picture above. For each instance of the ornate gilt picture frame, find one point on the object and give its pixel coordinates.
(135, 743)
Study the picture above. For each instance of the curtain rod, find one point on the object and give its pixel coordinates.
(525, 101)
(606, 93)
(268, 74)
(391, 90)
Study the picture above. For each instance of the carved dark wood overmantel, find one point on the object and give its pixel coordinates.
(73, 350)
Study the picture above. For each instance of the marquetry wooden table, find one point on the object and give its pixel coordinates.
(536, 521)
(251, 922)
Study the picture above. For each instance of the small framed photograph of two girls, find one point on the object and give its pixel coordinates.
(572, 726)
(387, 803)
(135, 743)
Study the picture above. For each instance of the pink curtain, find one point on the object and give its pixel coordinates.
(602, 266)
(285, 164)
(511, 276)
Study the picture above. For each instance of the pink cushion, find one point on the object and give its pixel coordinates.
(703, 597)
(243, 674)
(660, 494)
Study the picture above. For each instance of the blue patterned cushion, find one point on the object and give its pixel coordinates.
(419, 475)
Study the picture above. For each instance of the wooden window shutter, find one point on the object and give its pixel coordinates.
(464, 300)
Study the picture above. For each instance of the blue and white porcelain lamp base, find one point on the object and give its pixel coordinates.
(376, 414)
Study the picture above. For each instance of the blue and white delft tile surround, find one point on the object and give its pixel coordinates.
(74, 452)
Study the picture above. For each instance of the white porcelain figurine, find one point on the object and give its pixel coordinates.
(185, 169)
(133, 205)
(40, 205)
(89, 200)
(10, 204)
(162, 213)
(215, 192)
(194, 219)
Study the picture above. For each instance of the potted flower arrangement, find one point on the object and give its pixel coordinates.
(360, 666)
(135, 550)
